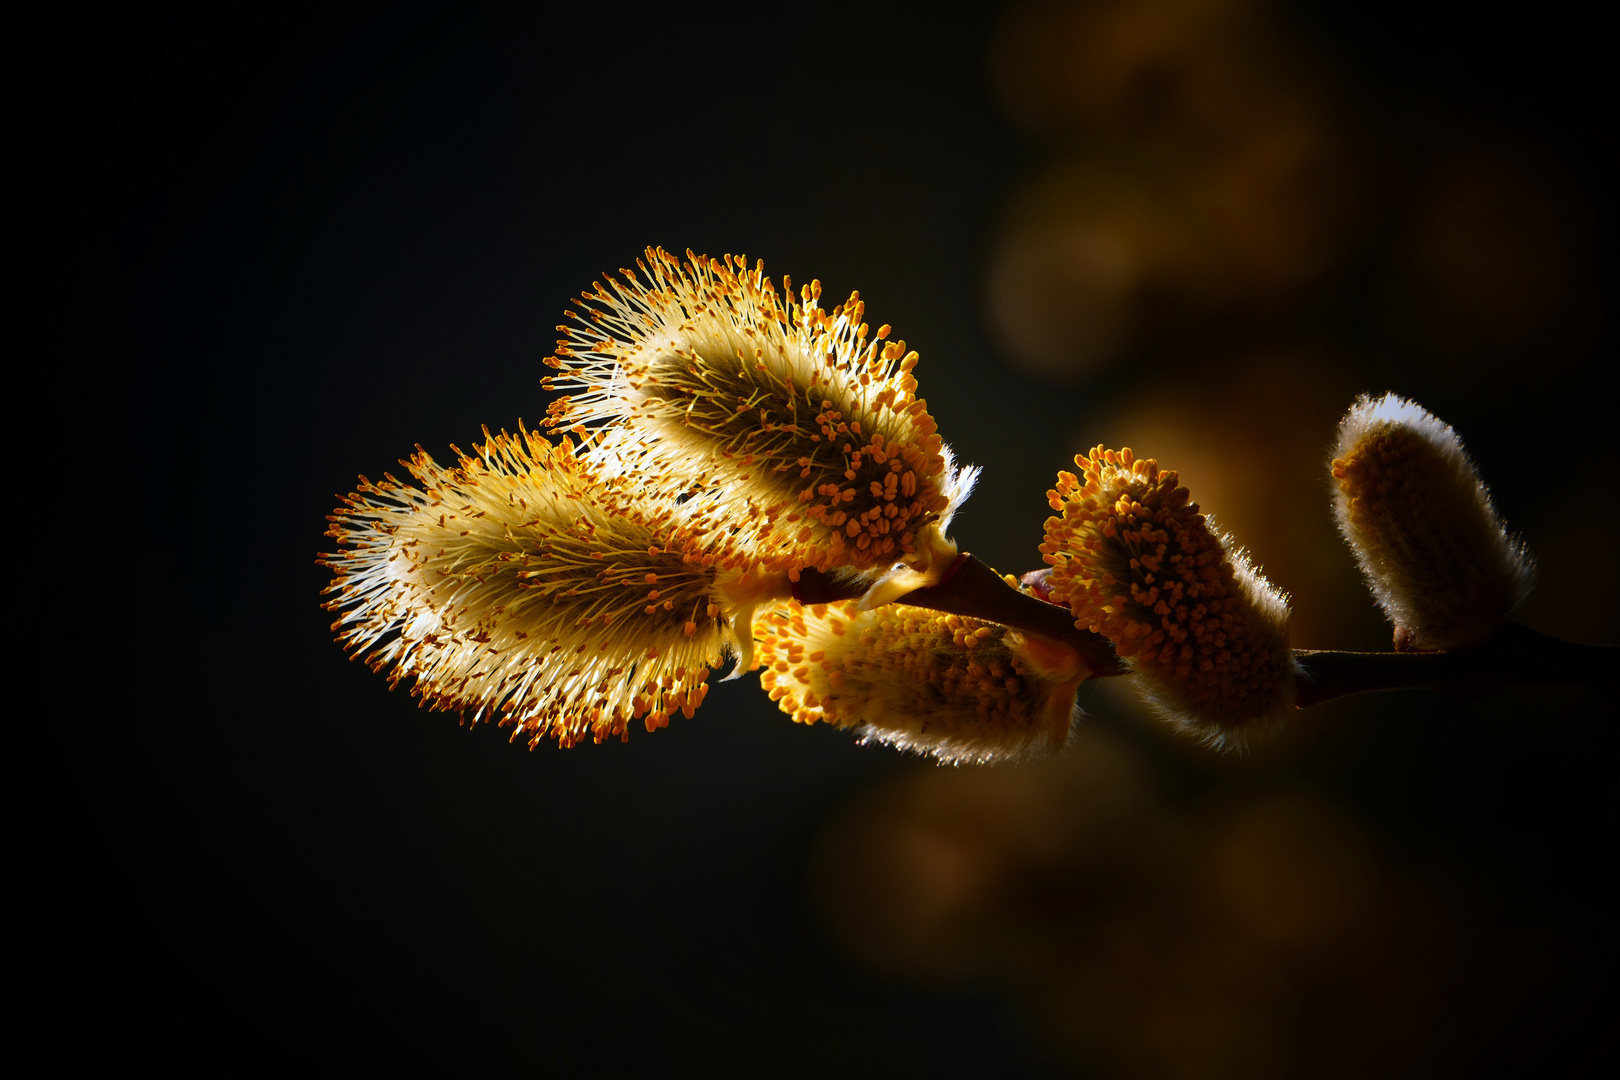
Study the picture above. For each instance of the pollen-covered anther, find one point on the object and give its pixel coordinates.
(701, 367)
(1137, 561)
(955, 688)
(1412, 507)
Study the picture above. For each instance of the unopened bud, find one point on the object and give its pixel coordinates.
(1412, 507)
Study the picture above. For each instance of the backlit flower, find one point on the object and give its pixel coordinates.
(509, 587)
(1137, 562)
(1413, 509)
(959, 689)
(799, 426)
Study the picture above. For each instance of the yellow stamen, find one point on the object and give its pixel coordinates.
(1137, 562)
(778, 412)
(956, 688)
(470, 584)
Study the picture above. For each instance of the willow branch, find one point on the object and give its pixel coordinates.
(1513, 656)
(971, 588)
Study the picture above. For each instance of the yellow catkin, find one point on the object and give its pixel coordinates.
(506, 589)
(797, 427)
(1137, 561)
(1421, 523)
(958, 689)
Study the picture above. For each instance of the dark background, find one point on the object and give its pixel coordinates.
(253, 255)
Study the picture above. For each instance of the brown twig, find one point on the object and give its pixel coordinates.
(1514, 655)
(971, 588)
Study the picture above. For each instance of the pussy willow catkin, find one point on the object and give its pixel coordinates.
(507, 589)
(1137, 561)
(958, 689)
(802, 426)
(1412, 507)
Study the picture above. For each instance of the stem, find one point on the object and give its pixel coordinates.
(1513, 656)
(971, 588)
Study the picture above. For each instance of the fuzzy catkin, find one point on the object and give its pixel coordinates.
(1137, 561)
(506, 588)
(957, 689)
(796, 427)
(1412, 507)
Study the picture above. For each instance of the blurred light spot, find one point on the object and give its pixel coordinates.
(1271, 203)
(1066, 268)
(1066, 64)
(1292, 875)
(922, 878)
(1202, 174)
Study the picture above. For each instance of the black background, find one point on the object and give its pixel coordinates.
(255, 254)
